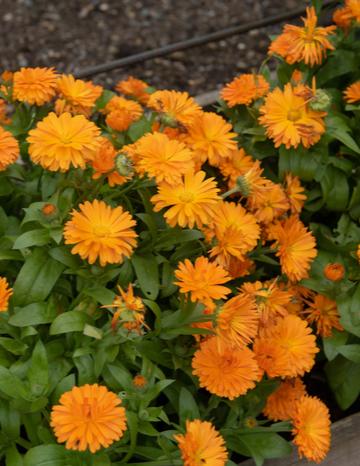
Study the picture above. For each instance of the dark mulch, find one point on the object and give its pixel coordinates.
(72, 34)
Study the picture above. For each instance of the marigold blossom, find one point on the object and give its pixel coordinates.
(76, 96)
(104, 164)
(295, 193)
(99, 231)
(35, 85)
(176, 107)
(121, 113)
(280, 405)
(201, 445)
(334, 272)
(324, 313)
(88, 418)
(139, 381)
(9, 149)
(5, 294)
(237, 164)
(311, 429)
(60, 141)
(224, 370)
(244, 89)
(135, 88)
(352, 93)
(191, 202)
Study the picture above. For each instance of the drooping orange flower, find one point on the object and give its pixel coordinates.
(129, 310)
(201, 445)
(324, 313)
(121, 113)
(296, 248)
(101, 232)
(352, 93)
(204, 280)
(280, 405)
(308, 44)
(9, 149)
(35, 85)
(211, 138)
(311, 429)
(191, 202)
(76, 96)
(237, 321)
(289, 120)
(237, 164)
(224, 370)
(60, 141)
(174, 107)
(135, 88)
(88, 418)
(244, 89)
(234, 232)
(334, 272)
(5, 294)
(163, 158)
(104, 164)
(295, 193)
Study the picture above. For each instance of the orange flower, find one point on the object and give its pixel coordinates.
(289, 120)
(240, 268)
(270, 358)
(201, 445)
(121, 113)
(88, 418)
(229, 372)
(4, 120)
(5, 293)
(139, 381)
(295, 193)
(135, 88)
(163, 158)
(48, 210)
(203, 280)
(308, 44)
(60, 141)
(210, 138)
(280, 405)
(352, 93)
(129, 309)
(77, 96)
(237, 321)
(358, 253)
(342, 18)
(104, 164)
(324, 313)
(35, 85)
(269, 204)
(174, 107)
(192, 201)
(237, 164)
(296, 248)
(235, 232)
(311, 430)
(334, 272)
(9, 149)
(244, 89)
(101, 232)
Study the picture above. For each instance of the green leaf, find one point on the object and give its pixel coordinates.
(305, 163)
(13, 346)
(344, 380)
(64, 256)
(47, 455)
(36, 278)
(340, 62)
(11, 385)
(351, 352)
(349, 311)
(332, 344)
(33, 314)
(93, 332)
(71, 321)
(105, 97)
(13, 457)
(139, 128)
(147, 272)
(37, 237)
(38, 373)
(101, 294)
(336, 128)
(9, 420)
(188, 407)
(335, 189)
(121, 375)
(173, 237)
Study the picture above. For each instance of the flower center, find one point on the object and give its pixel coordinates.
(186, 197)
(100, 231)
(294, 115)
(66, 140)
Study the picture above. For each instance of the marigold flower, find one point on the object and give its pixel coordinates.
(35, 85)
(358, 253)
(311, 429)
(104, 164)
(237, 321)
(237, 164)
(244, 89)
(352, 93)
(9, 149)
(324, 313)
(101, 232)
(48, 210)
(334, 272)
(203, 280)
(280, 405)
(175, 107)
(211, 138)
(342, 18)
(270, 358)
(4, 120)
(201, 445)
(270, 203)
(289, 120)
(296, 248)
(192, 201)
(88, 418)
(135, 88)
(139, 381)
(295, 193)
(240, 268)
(163, 158)
(308, 44)
(121, 113)
(77, 96)
(224, 370)
(5, 294)
(60, 141)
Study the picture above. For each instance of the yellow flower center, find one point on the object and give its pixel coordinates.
(100, 230)
(66, 140)
(186, 197)
(294, 115)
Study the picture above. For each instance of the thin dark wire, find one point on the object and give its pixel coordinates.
(196, 41)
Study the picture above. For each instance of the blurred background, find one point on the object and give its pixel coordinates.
(74, 34)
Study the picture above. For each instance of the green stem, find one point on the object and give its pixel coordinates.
(231, 191)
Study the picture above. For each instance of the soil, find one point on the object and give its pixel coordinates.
(74, 34)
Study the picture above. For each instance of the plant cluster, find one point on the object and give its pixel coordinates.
(173, 280)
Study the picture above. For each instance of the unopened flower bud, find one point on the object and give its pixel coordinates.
(243, 185)
(139, 381)
(168, 120)
(123, 164)
(49, 210)
(321, 102)
(334, 272)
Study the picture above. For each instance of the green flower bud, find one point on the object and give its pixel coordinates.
(321, 101)
(123, 164)
(243, 185)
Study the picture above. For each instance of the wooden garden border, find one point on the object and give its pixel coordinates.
(345, 447)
